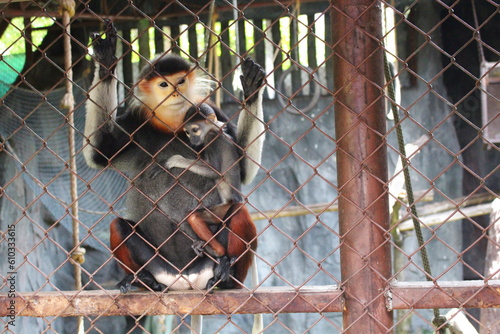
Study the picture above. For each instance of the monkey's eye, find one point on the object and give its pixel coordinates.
(181, 81)
(163, 84)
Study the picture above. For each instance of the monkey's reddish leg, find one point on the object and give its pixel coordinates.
(198, 224)
(120, 230)
(242, 237)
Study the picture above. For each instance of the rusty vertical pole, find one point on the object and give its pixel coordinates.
(361, 164)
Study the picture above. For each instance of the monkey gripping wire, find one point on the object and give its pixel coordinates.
(439, 320)
(67, 8)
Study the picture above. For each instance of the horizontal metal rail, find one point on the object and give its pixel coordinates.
(310, 299)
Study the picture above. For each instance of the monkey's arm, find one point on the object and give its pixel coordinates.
(194, 166)
(250, 127)
(103, 139)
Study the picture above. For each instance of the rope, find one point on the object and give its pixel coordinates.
(439, 320)
(210, 62)
(67, 8)
(295, 12)
(236, 28)
(478, 32)
(212, 17)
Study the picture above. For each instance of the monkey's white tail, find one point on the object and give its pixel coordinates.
(196, 324)
(258, 319)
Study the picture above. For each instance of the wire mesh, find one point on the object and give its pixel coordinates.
(435, 51)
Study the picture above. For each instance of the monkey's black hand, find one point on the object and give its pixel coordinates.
(157, 169)
(251, 80)
(104, 50)
(201, 248)
(197, 246)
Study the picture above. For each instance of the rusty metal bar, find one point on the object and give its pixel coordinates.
(428, 295)
(312, 299)
(361, 164)
(221, 8)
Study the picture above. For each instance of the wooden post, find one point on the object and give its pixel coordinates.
(490, 316)
(144, 49)
(128, 77)
(361, 164)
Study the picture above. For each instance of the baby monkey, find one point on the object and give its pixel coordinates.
(219, 159)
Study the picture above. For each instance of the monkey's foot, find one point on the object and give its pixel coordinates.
(222, 274)
(251, 80)
(142, 279)
(149, 280)
(104, 49)
(126, 283)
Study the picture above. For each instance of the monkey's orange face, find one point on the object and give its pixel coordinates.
(168, 98)
(170, 91)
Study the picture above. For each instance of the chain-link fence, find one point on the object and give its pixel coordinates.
(375, 201)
